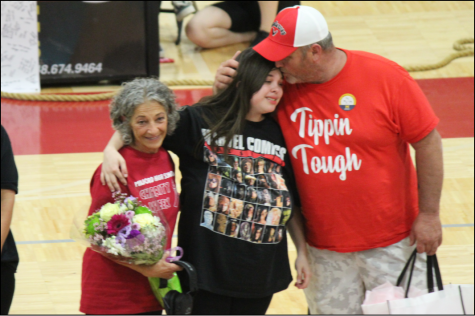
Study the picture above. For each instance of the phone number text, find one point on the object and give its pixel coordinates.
(58, 69)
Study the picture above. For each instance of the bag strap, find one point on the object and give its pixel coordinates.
(411, 262)
(438, 275)
(191, 271)
(403, 272)
(433, 265)
(408, 285)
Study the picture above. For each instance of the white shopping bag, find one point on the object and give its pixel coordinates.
(376, 300)
(448, 301)
(467, 297)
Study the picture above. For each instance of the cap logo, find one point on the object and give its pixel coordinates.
(277, 27)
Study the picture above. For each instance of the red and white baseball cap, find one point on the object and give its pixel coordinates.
(293, 27)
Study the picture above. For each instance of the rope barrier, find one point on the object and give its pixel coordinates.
(462, 51)
(97, 96)
(460, 46)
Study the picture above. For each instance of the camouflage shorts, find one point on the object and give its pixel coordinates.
(340, 280)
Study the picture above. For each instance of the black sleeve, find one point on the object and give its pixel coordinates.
(9, 170)
(187, 137)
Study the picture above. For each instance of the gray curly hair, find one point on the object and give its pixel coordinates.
(134, 93)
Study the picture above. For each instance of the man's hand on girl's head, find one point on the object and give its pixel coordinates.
(225, 74)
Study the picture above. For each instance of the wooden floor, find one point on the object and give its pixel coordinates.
(53, 188)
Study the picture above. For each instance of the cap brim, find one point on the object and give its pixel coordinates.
(273, 51)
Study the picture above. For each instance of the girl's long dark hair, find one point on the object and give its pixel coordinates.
(226, 112)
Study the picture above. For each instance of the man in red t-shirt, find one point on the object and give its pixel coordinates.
(348, 118)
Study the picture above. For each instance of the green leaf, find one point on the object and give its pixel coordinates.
(90, 230)
(142, 210)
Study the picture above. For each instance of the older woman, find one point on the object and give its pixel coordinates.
(144, 112)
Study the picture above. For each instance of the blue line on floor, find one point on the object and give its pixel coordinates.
(43, 242)
(174, 236)
(457, 225)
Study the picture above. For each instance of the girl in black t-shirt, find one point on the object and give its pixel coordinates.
(237, 124)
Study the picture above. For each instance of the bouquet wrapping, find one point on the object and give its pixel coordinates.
(128, 232)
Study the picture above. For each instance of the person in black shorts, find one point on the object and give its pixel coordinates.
(232, 22)
(9, 252)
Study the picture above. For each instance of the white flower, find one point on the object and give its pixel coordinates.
(144, 220)
(109, 210)
(114, 248)
(156, 221)
(123, 208)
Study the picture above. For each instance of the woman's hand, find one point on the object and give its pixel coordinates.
(162, 269)
(113, 168)
(303, 271)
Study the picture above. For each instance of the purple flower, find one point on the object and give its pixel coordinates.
(133, 234)
(136, 241)
(120, 240)
(124, 232)
(130, 199)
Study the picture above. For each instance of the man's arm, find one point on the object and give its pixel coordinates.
(296, 230)
(427, 228)
(7, 201)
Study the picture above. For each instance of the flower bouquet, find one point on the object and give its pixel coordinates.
(127, 232)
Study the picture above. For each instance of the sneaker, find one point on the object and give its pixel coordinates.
(261, 35)
(183, 9)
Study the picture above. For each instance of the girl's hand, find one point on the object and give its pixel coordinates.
(303, 271)
(113, 168)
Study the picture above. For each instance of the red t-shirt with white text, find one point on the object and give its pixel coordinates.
(110, 288)
(349, 143)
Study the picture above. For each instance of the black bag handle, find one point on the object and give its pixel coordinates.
(191, 271)
(412, 262)
(432, 264)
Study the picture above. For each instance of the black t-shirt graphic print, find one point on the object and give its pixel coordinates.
(245, 196)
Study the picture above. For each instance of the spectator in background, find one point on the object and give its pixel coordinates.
(183, 9)
(10, 257)
(231, 22)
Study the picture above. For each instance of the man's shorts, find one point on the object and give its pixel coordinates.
(340, 280)
(246, 15)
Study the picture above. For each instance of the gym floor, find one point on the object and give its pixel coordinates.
(58, 146)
